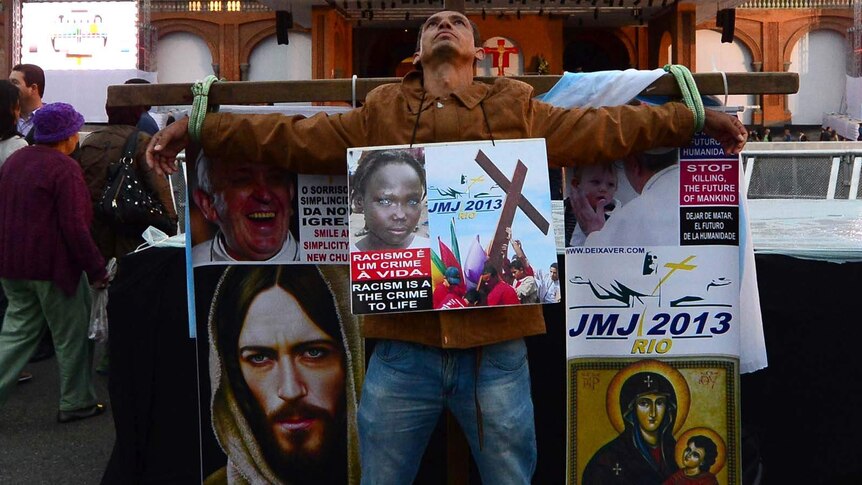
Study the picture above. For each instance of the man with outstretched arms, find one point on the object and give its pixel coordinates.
(405, 389)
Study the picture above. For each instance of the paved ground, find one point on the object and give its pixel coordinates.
(36, 449)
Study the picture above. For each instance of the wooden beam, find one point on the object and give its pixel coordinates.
(321, 90)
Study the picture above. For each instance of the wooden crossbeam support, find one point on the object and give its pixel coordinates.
(321, 90)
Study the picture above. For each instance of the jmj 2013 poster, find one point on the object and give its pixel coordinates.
(653, 320)
(448, 226)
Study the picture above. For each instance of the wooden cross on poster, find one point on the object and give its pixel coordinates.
(513, 201)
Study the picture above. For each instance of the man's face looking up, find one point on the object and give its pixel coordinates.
(295, 372)
(447, 34)
(251, 203)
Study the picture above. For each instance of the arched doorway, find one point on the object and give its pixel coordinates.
(182, 57)
(378, 52)
(712, 55)
(272, 62)
(820, 59)
(665, 49)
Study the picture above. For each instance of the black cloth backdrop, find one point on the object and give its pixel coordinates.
(803, 410)
(206, 279)
(799, 416)
(152, 384)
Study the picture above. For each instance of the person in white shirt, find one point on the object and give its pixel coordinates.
(525, 285)
(549, 285)
(652, 218)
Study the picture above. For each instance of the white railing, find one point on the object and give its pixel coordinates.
(803, 170)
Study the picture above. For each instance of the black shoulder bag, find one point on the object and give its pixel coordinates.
(126, 200)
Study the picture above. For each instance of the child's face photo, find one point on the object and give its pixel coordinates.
(692, 457)
(392, 203)
(598, 184)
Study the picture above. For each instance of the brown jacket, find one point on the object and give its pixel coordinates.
(100, 149)
(389, 117)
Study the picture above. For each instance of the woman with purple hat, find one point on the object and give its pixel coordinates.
(46, 257)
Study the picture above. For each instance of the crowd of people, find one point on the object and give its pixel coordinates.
(517, 284)
(53, 244)
(826, 134)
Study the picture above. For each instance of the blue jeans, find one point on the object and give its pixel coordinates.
(407, 387)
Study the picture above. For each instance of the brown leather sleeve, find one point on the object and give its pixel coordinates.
(595, 135)
(315, 145)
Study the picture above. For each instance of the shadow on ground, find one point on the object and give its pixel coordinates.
(35, 448)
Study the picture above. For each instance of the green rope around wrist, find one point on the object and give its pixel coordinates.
(690, 94)
(200, 90)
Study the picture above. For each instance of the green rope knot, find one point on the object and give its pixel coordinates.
(200, 106)
(690, 93)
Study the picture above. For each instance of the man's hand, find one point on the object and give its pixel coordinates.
(589, 219)
(727, 129)
(165, 145)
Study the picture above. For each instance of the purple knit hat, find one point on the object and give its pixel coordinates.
(55, 122)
